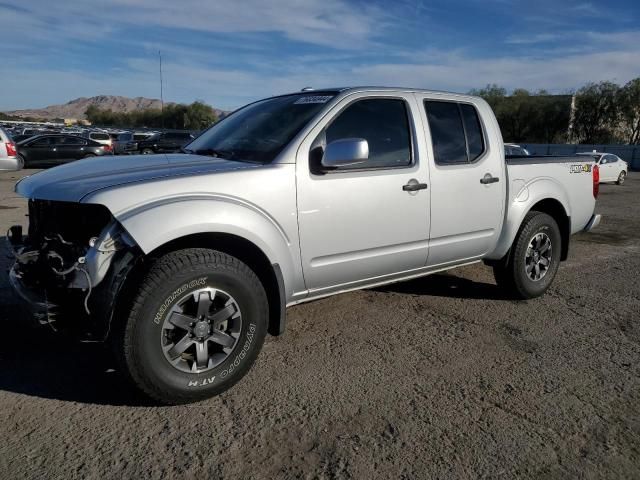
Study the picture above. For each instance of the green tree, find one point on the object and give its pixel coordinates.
(629, 100)
(597, 112)
(528, 117)
(176, 116)
(199, 116)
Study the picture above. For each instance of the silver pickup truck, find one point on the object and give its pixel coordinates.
(184, 262)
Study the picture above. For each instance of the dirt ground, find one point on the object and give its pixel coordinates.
(440, 377)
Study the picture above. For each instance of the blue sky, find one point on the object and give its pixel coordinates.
(230, 52)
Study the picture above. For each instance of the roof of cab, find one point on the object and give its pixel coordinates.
(355, 89)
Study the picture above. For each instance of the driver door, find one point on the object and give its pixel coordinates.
(358, 224)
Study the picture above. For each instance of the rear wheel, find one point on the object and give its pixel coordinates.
(621, 177)
(89, 155)
(533, 260)
(147, 151)
(197, 323)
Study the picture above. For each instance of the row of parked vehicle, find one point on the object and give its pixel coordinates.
(40, 148)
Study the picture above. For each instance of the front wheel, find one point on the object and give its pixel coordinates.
(534, 258)
(21, 162)
(196, 325)
(147, 151)
(621, 177)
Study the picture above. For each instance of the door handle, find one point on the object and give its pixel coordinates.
(413, 186)
(488, 178)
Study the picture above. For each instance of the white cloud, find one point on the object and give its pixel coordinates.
(347, 48)
(333, 23)
(230, 88)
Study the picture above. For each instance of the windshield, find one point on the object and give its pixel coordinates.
(260, 131)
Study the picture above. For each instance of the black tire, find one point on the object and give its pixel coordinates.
(512, 273)
(21, 163)
(147, 151)
(621, 177)
(89, 155)
(139, 344)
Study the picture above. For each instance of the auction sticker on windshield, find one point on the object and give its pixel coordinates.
(313, 99)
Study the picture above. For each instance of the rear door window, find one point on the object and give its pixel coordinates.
(447, 132)
(473, 129)
(42, 142)
(72, 141)
(456, 132)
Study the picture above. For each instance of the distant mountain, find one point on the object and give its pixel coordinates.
(76, 108)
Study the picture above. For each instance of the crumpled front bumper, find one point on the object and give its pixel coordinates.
(34, 302)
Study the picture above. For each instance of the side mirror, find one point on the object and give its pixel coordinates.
(345, 152)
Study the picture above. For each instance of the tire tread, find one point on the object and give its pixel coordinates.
(163, 268)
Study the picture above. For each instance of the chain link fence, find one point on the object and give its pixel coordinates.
(628, 153)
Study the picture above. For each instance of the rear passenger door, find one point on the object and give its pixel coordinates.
(609, 168)
(468, 184)
(70, 148)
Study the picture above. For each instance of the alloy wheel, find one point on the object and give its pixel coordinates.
(538, 257)
(201, 330)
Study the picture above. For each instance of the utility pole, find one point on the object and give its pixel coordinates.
(161, 94)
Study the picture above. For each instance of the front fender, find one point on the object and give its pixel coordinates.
(523, 196)
(155, 224)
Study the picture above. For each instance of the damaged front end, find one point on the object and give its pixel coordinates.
(72, 265)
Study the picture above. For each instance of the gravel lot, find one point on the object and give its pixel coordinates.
(439, 377)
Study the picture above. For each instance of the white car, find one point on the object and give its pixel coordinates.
(513, 150)
(9, 159)
(612, 167)
(101, 137)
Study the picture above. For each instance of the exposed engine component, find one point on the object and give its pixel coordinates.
(66, 259)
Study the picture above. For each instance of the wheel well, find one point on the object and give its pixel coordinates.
(555, 209)
(248, 253)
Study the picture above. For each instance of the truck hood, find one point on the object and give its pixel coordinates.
(73, 181)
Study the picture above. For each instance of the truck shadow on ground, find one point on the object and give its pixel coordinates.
(445, 285)
(37, 361)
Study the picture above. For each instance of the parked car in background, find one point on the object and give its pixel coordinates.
(101, 137)
(31, 131)
(20, 138)
(124, 144)
(164, 142)
(612, 167)
(138, 136)
(53, 149)
(9, 159)
(72, 131)
(513, 150)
